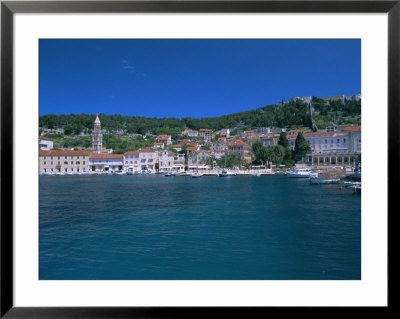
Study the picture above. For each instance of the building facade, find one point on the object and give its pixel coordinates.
(148, 158)
(103, 163)
(131, 162)
(64, 162)
(45, 143)
(240, 148)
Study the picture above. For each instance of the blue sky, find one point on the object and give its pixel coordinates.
(194, 78)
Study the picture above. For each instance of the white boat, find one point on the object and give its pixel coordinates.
(299, 173)
(196, 175)
(226, 174)
(319, 180)
(170, 174)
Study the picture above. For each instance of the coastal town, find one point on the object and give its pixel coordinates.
(206, 151)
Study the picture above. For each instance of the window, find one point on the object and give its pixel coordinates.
(338, 140)
(58, 157)
(83, 162)
(65, 157)
(78, 163)
(344, 140)
(65, 170)
(44, 163)
(51, 163)
(126, 162)
(77, 157)
(44, 157)
(51, 157)
(66, 163)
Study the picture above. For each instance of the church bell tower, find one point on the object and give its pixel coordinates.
(97, 137)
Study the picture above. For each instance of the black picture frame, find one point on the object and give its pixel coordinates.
(9, 8)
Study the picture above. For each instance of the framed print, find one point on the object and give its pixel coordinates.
(196, 157)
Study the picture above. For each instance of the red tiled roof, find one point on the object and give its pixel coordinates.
(106, 156)
(205, 130)
(45, 138)
(177, 145)
(191, 148)
(147, 149)
(238, 143)
(131, 153)
(353, 129)
(64, 153)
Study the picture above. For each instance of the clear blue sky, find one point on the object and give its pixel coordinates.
(195, 78)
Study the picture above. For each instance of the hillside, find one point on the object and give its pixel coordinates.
(286, 114)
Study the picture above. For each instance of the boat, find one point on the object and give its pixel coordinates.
(170, 174)
(129, 173)
(196, 175)
(319, 180)
(226, 174)
(357, 189)
(256, 174)
(299, 173)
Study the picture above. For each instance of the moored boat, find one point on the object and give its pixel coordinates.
(170, 174)
(319, 180)
(299, 173)
(226, 174)
(196, 175)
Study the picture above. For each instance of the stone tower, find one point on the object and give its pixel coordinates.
(97, 137)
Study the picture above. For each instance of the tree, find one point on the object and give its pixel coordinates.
(277, 154)
(283, 139)
(302, 147)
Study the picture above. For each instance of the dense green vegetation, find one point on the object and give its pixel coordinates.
(292, 114)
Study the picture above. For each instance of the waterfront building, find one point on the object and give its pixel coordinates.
(131, 162)
(148, 157)
(101, 163)
(207, 134)
(166, 161)
(241, 148)
(63, 161)
(166, 139)
(332, 148)
(97, 137)
(179, 162)
(45, 143)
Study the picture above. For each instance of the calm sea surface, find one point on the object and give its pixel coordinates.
(156, 227)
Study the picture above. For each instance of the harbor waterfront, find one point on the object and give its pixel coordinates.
(150, 227)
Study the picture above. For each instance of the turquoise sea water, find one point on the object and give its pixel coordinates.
(156, 227)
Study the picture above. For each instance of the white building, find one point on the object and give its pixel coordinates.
(101, 163)
(45, 143)
(166, 161)
(166, 139)
(63, 161)
(131, 162)
(190, 133)
(148, 157)
(207, 134)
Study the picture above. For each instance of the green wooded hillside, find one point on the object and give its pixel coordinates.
(292, 114)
